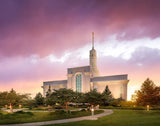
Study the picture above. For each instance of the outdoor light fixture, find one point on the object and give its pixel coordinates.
(92, 110)
(147, 107)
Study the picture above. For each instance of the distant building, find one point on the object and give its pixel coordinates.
(85, 78)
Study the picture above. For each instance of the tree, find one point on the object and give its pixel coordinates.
(12, 98)
(93, 97)
(148, 94)
(39, 99)
(106, 96)
(63, 96)
(49, 91)
(107, 91)
(78, 97)
(50, 100)
(3, 98)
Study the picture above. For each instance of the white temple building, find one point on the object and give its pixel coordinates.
(85, 78)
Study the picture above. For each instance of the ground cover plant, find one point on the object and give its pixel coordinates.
(122, 118)
(24, 117)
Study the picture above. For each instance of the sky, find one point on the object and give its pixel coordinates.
(40, 39)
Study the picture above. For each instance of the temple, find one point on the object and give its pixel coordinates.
(86, 78)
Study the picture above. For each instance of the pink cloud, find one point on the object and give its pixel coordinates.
(52, 27)
(42, 28)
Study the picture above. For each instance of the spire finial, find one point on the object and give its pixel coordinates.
(92, 40)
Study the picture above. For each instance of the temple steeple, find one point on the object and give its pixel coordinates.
(93, 59)
(92, 40)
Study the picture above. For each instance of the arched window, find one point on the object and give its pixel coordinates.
(78, 82)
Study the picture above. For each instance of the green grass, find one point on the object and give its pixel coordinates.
(131, 108)
(26, 117)
(122, 118)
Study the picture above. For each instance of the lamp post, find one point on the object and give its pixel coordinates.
(147, 107)
(92, 113)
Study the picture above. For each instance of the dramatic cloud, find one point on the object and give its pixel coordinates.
(40, 39)
(52, 26)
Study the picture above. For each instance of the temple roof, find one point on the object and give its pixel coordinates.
(110, 78)
(55, 82)
(78, 69)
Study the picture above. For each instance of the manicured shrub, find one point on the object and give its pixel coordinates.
(115, 103)
(59, 112)
(83, 110)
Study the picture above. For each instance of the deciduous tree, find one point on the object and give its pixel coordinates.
(93, 97)
(63, 96)
(12, 98)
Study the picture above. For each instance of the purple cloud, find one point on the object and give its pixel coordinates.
(44, 27)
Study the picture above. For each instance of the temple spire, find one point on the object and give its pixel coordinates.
(93, 59)
(92, 40)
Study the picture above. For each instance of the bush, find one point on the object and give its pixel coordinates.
(20, 112)
(155, 108)
(30, 107)
(59, 112)
(128, 108)
(107, 107)
(40, 108)
(127, 104)
(58, 107)
(83, 110)
(114, 103)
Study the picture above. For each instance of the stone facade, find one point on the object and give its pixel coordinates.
(117, 84)
(85, 78)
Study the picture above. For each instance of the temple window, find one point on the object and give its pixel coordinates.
(78, 82)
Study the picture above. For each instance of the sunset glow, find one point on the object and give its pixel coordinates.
(40, 39)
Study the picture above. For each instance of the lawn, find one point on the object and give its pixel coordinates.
(26, 117)
(122, 118)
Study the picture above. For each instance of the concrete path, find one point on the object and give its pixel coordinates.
(106, 112)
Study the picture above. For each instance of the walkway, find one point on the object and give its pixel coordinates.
(106, 112)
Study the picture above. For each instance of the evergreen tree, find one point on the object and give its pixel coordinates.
(148, 94)
(107, 91)
(49, 91)
(106, 96)
(49, 97)
(39, 99)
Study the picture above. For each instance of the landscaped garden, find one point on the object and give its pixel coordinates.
(26, 117)
(122, 118)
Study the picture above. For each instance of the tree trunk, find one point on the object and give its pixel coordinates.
(66, 107)
(11, 107)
